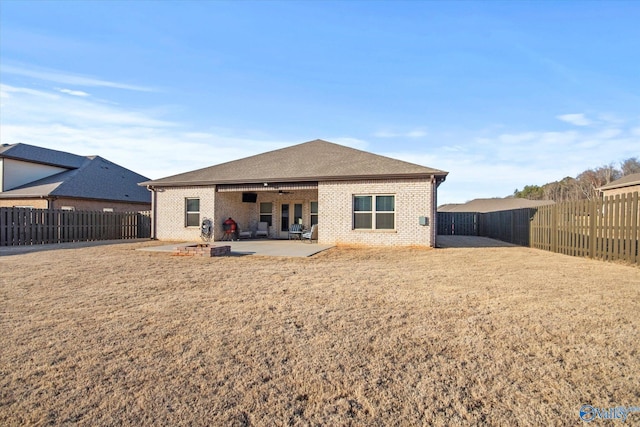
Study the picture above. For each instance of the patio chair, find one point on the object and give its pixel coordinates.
(295, 230)
(244, 234)
(263, 230)
(311, 234)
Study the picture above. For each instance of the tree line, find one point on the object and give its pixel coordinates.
(584, 186)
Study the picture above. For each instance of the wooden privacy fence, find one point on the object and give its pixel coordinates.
(607, 228)
(24, 226)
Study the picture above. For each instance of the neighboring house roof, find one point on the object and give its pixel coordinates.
(93, 178)
(33, 154)
(625, 181)
(310, 161)
(494, 205)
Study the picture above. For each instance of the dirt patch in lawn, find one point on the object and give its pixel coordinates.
(498, 336)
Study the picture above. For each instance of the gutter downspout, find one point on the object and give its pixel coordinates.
(49, 200)
(154, 204)
(434, 212)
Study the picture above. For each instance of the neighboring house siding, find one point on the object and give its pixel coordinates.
(99, 205)
(16, 173)
(413, 199)
(621, 190)
(34, 203)
(77, 204)
(170, 220)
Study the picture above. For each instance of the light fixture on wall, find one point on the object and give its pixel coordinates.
(266, 184)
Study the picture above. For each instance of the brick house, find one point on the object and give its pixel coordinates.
(41, 178)
(354, 196)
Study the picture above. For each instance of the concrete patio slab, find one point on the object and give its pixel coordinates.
(285, 248)
(471, 242)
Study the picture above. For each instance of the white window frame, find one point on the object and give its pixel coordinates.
(313, 214)
(265, 213)
(373, 212)
(188, 212)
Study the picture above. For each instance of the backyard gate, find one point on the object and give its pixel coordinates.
(458, 223)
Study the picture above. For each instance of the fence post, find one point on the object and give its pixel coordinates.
(554, 228)
(635, 231)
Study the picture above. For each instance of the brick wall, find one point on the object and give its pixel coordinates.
(170, 212)
(413, 199)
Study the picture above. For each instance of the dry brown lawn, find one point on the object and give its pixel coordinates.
(494, 336)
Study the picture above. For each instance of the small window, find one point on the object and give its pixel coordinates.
(107, 209)
(192, 212)
(266, 214)
(314, 213)
(373, 212)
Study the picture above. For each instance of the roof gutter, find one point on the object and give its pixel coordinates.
(440, 176)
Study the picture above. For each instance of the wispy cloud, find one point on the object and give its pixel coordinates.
(69, 78)
(415, 133)
(73, 92)
(141, 140)
(575, 119)
(487, 163)
(499, 162)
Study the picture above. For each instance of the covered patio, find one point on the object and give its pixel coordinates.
(278, 205)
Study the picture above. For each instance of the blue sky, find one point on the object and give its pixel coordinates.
(500, 94)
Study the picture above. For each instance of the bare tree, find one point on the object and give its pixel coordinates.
(584, 186)
(629, 166)
(590, 180)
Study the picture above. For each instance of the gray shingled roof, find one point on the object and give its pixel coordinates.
(93, 178)
(625, 181)
(494, 205)
(310, 161)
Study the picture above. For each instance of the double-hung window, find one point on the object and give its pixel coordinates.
(192, 212)
(266, 215)
(374, 212)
